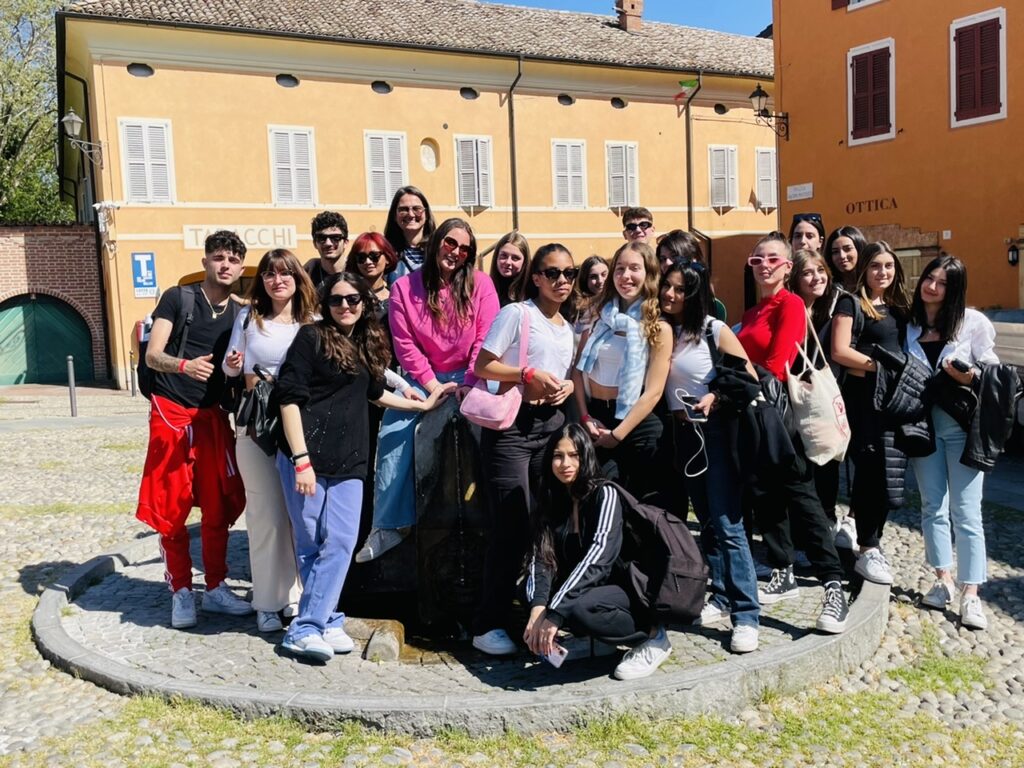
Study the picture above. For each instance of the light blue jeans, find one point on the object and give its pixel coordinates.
(949, 490)
(394, 493)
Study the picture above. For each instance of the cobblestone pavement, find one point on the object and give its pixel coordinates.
(68, 494)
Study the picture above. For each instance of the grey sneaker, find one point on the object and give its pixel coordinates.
(380, 541)
(268, 621)
(183, 609)
(873, 566)
(940, 596)
(223, 600)
(711, 614)
(971, 614)
(744, 639)
(311, 646)
(781, 586)
(834, 609)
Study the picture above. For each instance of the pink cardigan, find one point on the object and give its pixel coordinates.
(424, 346)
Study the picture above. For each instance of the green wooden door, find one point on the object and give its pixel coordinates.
(37, 333)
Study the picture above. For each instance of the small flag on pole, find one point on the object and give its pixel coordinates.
(687, 89)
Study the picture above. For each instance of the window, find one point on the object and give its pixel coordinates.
(473, 168)
(292, 166)
(568, 170)
(724, 189)
(977, 62)
(386, 169)
(767, 178)
(147, 163)
(621, 165)
(871, 92)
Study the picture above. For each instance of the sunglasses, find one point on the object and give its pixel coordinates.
(553, 273)
(633, 226)
(269, 276)
(319, 238)
(371, 256)
(771, 261)
(336, 300)
(415, 210)
(453, 245)
(798, 217)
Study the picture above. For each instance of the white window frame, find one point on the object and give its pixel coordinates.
(571, 204)
(389, 193)
(631, 179)
(856, 5)
(773, 199)
(967, 21)
(886, 42)
(731, 176)
(124, 122)
(483, 180)
(293, 130)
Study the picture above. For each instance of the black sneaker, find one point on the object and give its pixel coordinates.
(781, 586)
(834, 609)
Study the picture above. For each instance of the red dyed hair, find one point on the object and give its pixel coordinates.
(374, 240)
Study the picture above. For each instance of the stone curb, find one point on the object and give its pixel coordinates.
(723, 688)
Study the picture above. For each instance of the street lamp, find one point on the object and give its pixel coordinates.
(73, 128)
(778, 123)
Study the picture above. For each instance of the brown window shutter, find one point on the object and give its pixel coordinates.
(977, 70)
(837, 4)
(966, 43)
(881, 120)
(988, 68)
(860, 99)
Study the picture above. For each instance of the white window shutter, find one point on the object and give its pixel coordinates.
(147, 163)
(617, 176)
(137, 177)
(718, 165)
(767, 194)
(734, 187)
(560, 170)
(159, 168)
(632, 175)
(396, 165)
(284, 189)
(466, 157)
(302, 164)
(486, 183)
(576, 190)
(377, 169)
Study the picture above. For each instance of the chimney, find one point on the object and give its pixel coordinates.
(630, 12)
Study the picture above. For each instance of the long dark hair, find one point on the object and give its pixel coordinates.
(859, 242)
(366, 344)
(680, 244)
(461, 283)
(511, 288)
(951, 313)
(555, 499)
(537, 264)
(696, 297)
(303, 301)
(394, 233)
(813, 219)
(821, 309)
(895, 296)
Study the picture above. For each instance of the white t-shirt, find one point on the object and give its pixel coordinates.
(691, 368)
(549, 348)
(264, 347)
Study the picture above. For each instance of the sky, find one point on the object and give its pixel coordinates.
(745, 17)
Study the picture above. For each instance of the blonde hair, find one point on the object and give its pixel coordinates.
(650, 310)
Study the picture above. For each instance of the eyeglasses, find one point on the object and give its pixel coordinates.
(633, 226)
(320, 238)
(371, 256)
(553, 273)
(415, 210)
(798, 217)
(271, 275)
(453, 245)
(336, 300)
(770, 261)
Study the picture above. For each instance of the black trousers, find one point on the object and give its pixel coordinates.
(635, 463)
(869, 496)
(512, 470)
(605, 613)
(826, 483)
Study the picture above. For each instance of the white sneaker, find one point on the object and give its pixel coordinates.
(223, 600)
(971, 614)
(710, 614)
(183, 609)
(873, 566)
(643, 660)
(846, 533)
(268, 621)
(338, 639)
(744, 639)
(940, 596)
(311, 646)
(495, 643)
(380, 541)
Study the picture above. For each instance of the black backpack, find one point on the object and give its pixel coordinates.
(179, 337)
(664, 566)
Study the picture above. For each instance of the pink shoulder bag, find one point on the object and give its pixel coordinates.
(492, 411)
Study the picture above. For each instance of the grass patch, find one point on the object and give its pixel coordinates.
(65, 508)
(51, 464)
(935, 670)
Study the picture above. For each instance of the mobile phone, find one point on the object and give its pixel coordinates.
(557, 656)
(960, 365)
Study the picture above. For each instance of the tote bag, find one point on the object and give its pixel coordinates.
(492, 411)
(817, 405)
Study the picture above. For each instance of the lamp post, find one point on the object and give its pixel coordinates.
(73, 128)
(779, 123)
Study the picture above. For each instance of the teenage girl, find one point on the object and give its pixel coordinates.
(510, 268)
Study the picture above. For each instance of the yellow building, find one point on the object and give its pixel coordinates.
(254, 115)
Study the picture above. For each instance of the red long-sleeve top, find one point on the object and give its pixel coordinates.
(771, 330)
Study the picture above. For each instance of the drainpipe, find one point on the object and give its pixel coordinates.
(512, 144)
(689, 153)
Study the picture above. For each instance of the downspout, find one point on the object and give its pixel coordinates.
(513, 175)
(689, 173)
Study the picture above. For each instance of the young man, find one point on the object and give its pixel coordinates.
(638, 226)
(191, 456)
(330, 236)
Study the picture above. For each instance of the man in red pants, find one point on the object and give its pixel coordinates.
(191, 456)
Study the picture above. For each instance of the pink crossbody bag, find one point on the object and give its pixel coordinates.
(492, 411)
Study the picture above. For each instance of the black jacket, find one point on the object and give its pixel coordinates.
(992, 422)
(900, 387)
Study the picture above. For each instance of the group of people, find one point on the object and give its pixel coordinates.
(618, 363)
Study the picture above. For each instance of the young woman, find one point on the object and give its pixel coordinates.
(592, 276)
(807, 233)
(372, 258)
(881, 299)
(769, 333)
(942, 329)
(510, 268)
(577, 535)
(439, 316)
(703, 453)
(621, 369)
(281, 299)
(409, 228)
(678, 245)
(844, 249)
(332, 369)
(513, 457)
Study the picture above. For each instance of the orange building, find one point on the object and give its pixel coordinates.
(905, 120)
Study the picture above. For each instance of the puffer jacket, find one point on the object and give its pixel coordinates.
(900, 387)
(993, 418)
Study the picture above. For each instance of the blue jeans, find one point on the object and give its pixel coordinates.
(325, 526)
(951, 490)
(715, 494)
(394, 497)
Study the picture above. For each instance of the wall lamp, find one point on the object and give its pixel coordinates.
(1013, 255)
(73, 128)
(777, 122)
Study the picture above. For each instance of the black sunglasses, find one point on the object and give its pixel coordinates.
(321, 238)
(373, 256)
(336, 300)
(798, 217)
(633, 226)
(453, 245)
(553, 273)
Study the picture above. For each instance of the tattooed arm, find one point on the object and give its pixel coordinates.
(199, 368)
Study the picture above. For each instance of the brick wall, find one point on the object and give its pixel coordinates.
(58, 261)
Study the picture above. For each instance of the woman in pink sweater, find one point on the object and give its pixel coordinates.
(439, 316)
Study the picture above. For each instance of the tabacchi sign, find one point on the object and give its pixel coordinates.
(870, 206)
(263, 236)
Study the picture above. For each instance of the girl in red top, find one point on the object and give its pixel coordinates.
(770, 332)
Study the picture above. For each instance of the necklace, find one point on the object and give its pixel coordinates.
(213, 312)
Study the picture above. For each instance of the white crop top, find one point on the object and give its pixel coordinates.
(691, 369)
(265, 347)
(550, 346)
(608, 364)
